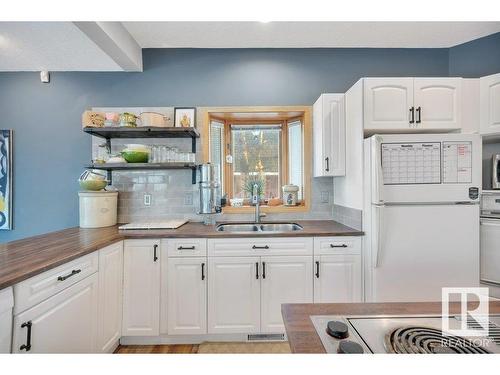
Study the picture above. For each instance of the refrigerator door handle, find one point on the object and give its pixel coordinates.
(378, 234)
(376, 170)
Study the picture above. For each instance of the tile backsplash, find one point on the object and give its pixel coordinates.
(173, 196)
(348, 216)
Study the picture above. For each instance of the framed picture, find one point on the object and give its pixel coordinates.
(5, 179)
(184, 117)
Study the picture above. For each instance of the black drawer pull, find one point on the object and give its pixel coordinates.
(155, 255)
(419, 115)
(327, 160)
(412, 111)
(263, 270)
(73, 273)
(203, 271)
(260, 247)
(317, 269)
(334, 246)
(27, 346)
(257, 270)
(186, 248)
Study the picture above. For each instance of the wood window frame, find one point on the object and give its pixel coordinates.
(206, 114)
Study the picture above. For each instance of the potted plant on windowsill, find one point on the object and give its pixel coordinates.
(248, 184)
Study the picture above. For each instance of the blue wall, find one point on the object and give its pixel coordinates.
(50, 148)
(477, 58)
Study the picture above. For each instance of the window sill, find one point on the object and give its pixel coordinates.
(267, 209)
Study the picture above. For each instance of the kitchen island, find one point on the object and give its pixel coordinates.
(303, 337)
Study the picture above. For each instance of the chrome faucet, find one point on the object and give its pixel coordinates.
(256, 202)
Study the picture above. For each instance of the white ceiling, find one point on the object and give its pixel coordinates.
(115, 46)
(56, 46)
(307, 34)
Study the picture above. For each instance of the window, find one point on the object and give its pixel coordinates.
(266, 149)
(295, 164)
(256, 153)
(217, 146)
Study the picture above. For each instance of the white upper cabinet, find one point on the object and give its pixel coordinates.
(187, 295)
(286, 279)
(234, 295)
(141, 288)
(490, 104)
(387, 103)
(412, 104)
(110, 297)
(437, 103)
(329, 135)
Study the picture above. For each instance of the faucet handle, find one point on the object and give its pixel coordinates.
(255, 194)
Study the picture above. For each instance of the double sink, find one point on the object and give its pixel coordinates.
(257, 228)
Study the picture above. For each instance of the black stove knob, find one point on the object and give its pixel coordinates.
(337, 329)
(349, 347)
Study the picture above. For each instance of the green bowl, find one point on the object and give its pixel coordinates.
(132, 156)
(93, 185)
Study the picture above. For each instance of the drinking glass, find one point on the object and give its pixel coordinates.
(164, 154)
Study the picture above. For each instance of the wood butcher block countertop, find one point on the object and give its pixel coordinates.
(22, 259)
(303, 338)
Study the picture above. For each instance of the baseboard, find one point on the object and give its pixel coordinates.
(187, 339)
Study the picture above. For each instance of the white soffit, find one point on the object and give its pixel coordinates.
(68, 46)
(54, 46)
(307, 34)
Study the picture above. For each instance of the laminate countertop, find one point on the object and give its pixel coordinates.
(303, 338)
(22, 259)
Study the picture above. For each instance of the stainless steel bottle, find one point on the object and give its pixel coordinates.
(210, 191)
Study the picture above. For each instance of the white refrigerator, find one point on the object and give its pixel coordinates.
(421, 215)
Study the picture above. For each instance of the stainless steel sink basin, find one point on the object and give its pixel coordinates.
(258, 228)
(237, 228)
(280, 227)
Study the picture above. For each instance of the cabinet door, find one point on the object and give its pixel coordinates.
(337, 278)
(187, 296)
(387, 103)
(141, 288)
(234, 295)
(329, 135)
(490, 104)
(284, 280)
(64, 323)
(437, 103)
(110, 297)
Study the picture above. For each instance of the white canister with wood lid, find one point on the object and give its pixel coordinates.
(98, 208)
(290, 195)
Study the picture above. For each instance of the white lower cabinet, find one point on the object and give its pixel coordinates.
(284, 280)
(141, 288)
(187, 295)
(110, 297)
(6, 305)
(337, 278)
(205, 287)
(63, 323)
(234, 295)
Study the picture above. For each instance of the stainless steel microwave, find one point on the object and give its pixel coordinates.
(495, 174)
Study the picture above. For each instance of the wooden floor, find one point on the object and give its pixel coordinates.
(157, 349)
(209, 348)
